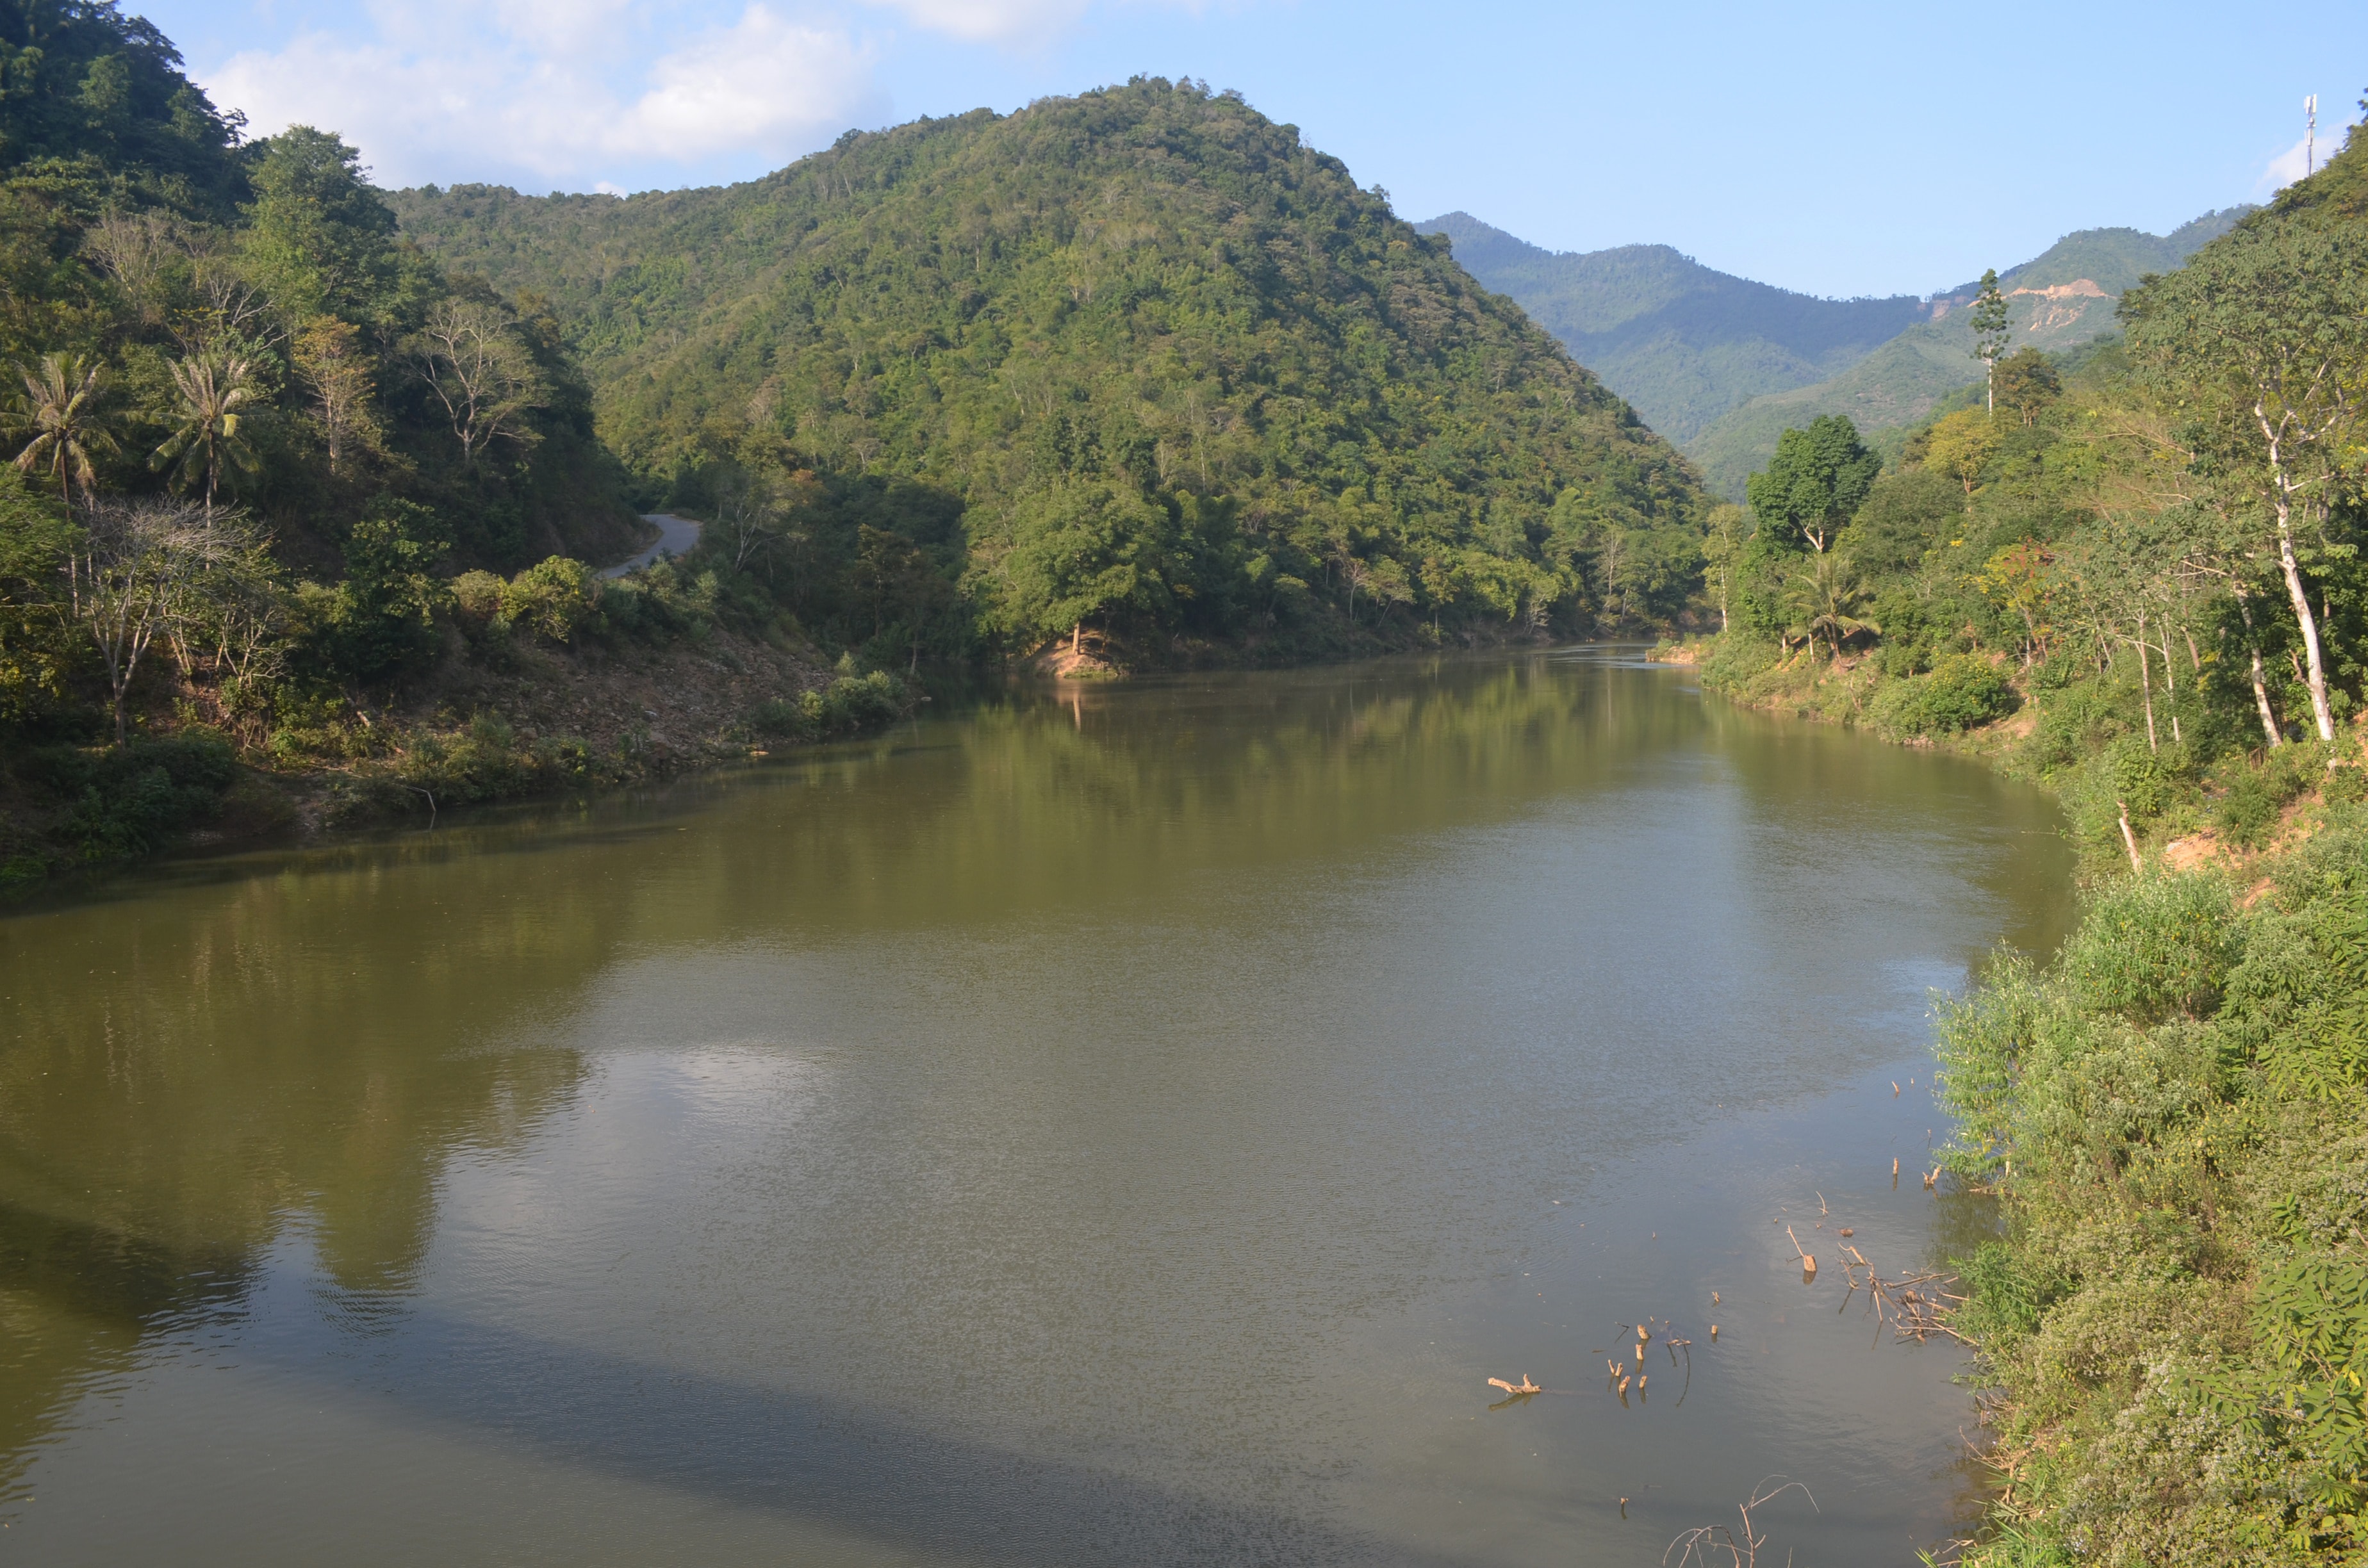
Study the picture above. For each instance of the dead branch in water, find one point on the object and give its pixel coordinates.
(1524, 1386)
(1914, 1304)
(1808, 1264)
(1703, 1543)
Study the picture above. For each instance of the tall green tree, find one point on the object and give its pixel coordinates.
(1814, 484)
(318, 237)
(379, 623)
(2262, 340)
(1086, 550)
(1990, 316)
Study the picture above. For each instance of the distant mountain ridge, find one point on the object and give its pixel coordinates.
(1722, 365)
(1683, 343)
(2062, 298)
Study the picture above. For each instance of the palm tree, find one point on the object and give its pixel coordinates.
(60, 411)
(1829, 595)
(206, 440)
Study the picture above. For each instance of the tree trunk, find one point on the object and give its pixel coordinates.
(2305, 619)
(2282, 493)
(2260, 686)
(2146, 685)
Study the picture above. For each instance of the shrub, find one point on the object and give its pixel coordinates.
(849, 704)
(2142, 778)
(478, 595)
(555, 598)
(2248, 811)
(137, 800)
(1962, 691)
(2073, 725)
(2155, 945)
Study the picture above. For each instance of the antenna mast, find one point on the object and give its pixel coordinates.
(2310, 135)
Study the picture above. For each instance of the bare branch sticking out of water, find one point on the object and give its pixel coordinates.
(1703, 1544)
(1915, 1305)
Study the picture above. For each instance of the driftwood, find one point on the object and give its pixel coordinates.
(1524, 1386)
(1914, 1304)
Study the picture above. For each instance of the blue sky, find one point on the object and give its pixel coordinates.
(1840, 149)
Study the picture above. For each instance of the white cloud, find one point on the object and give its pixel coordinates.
(555, 89)
(2284, 169)
(1017, 21)
(1000, 21)
(759, 84)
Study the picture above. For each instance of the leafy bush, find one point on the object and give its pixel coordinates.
(136, 800)
(2247, 811)
(488, 761)
(478, 595)
(2155, 945)
(379, 623)
(555, 598)
(851, 703)
(1962, 691)
(2073, 725)
(2143, 779)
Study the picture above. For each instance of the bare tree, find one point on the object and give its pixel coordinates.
(144, 569)
(481, 374)
(336, 366)
(142, 252)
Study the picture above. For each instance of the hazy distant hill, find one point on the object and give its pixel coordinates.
(2063, 297)
(1682, 343)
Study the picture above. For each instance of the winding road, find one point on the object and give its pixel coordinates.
(675, 537)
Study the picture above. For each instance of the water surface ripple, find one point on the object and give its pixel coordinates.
(1113, 1126)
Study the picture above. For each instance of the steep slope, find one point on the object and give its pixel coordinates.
(2063, 297)
(1682, 343)
(1176, 373)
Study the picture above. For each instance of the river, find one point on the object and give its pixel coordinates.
(1120, 1125)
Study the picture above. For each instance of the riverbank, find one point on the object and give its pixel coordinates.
(508, 714)
(2171, 1328)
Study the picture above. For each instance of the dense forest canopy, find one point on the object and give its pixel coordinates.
(1139, 359)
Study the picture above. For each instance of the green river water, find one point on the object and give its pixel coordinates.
(1124, 1125)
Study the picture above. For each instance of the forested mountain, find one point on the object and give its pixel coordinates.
(1138, 361)
(1682, 343)
(2061, 297)
(260, 290)
(256, 435)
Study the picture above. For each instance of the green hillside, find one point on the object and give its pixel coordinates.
(1138, 360)
(2063, 297)
(1682, 343)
